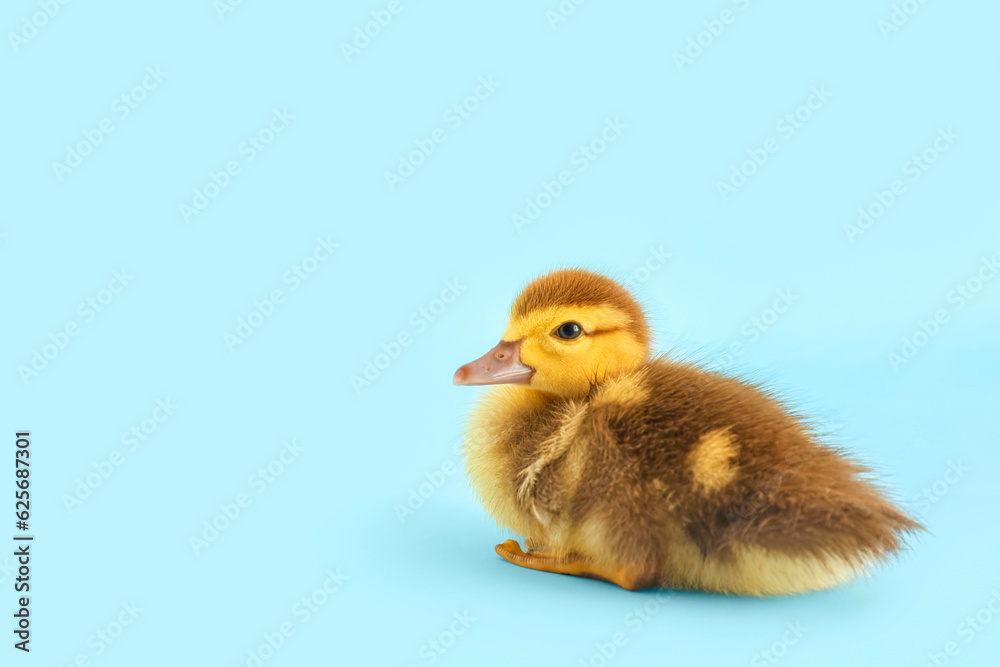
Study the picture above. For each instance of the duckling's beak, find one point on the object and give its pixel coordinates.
(501, 365)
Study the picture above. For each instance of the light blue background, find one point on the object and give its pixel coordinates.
(335, 506)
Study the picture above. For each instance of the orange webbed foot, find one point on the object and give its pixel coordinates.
(546, 561)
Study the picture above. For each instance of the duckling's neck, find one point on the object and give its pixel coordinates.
(535, 397)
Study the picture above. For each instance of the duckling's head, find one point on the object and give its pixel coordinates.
(568, 331)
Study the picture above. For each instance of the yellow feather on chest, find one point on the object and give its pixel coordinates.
(495, 449)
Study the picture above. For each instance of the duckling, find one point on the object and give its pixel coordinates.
(646, 472)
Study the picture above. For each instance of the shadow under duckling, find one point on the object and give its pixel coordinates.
(650, 473)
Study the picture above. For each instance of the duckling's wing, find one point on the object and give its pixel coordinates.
(748, 472)
(814, 501)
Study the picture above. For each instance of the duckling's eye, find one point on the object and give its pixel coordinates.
(569, 330)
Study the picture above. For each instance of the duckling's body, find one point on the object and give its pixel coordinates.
(660, 473)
